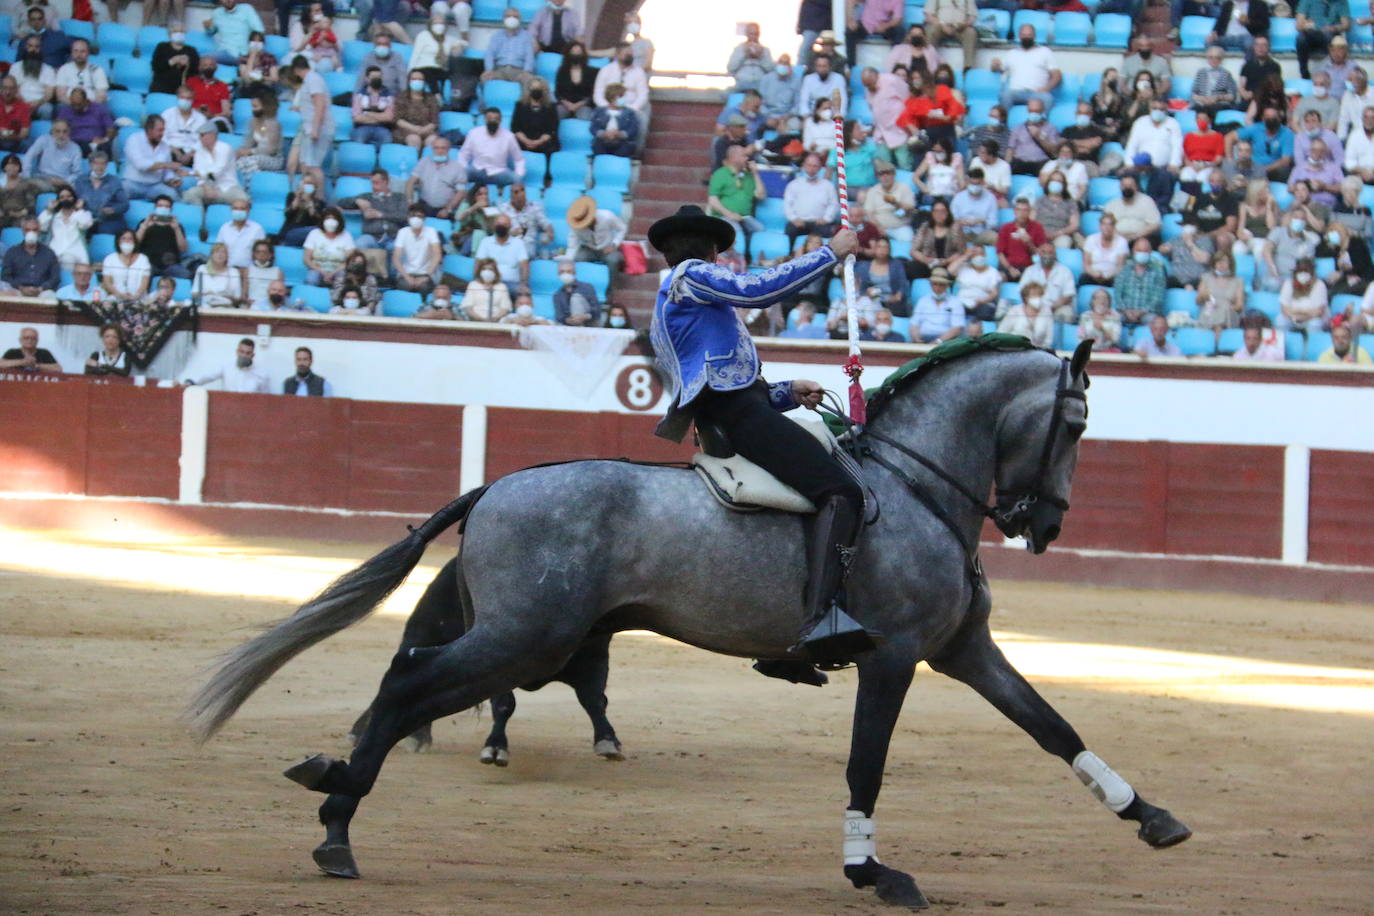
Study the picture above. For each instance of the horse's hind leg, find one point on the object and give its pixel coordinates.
(980, 664)
(495, 749)
(586, 672)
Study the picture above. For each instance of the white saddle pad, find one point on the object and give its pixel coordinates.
(737, 483)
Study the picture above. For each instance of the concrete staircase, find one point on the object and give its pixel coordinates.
(675, 167)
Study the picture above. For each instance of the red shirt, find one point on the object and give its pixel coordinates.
(1016, 251)
(15, 116)
(209, 96)
(918, 108)
(1204, 147)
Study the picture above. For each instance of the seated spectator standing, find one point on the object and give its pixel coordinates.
(509, 253)
(315, 138)
(92, 125)
(750, 62)
(1145, 60)
(1029, 72)
(596, 235)
(126, 272)
(356, 280)
(575, 302)
(510, 52)
(241, 375)
(1158, 342)
(1033, 143)
(16, 118)
(214, 167)
(535, 120)
(574, 84)
(887, 94)
(326, 247)
(305, 383)
(173, 61)
(240, 235)
(162, 239)
(939, 315)
(492, 155)
(210, 96)
(230, 25)
(878, 18)
(734, 190)
(29, 356)
(65, 221)
(486, 298)
(1257, 69)
(417, 253)
(615, 130)
(80, 72)
(384, 212)
(1017, 241)
(810, 204)
(183, 126)
(30, 268)
(103, 194)
(439, 180)
(54, 161)
(261, 150)
(1139, 288)
(1319, 21)
(1134, 213)
(83, 287)
(557, 25)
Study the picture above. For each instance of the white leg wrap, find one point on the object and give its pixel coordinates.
(859, 846)
(1110, 789)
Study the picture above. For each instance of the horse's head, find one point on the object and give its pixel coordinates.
(1037, 450)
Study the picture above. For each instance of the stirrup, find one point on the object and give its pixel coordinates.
(835, 639)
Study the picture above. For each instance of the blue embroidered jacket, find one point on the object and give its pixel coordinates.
(699, 339)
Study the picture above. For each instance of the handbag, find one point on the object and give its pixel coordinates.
(636, 261)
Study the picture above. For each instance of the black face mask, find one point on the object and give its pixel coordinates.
(1028, 43)
(944, 81)
(536, 94)
(493, 126)
(1127, 193)
(276, 298)
(207, 75)
(257, 112)
(577, 58)
(917, 41)
(375, 82)
(302, 373)
(358, 268)
(1145, 55)
(1271, 123)
(502, 231)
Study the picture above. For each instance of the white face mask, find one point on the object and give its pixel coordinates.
(437, 29)
(511, 22)
(1056, 187)
(255, 46)
(784, 70)
(616, 321)
(568, 278)
(240, 216)
(980, 261)
(307, 189)
(882, 328)
(488, 276)
(976, 190)
(440, 303)
(331, 225)
(184, 104)
(177, 37)
(1319, 91)
(1303, 277)
(350, 302)
(1034, 302)
(416, 222)
(632, 28)
(524, 311)
(31, 238)
(126, 247)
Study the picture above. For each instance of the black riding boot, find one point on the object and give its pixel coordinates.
(831, 638)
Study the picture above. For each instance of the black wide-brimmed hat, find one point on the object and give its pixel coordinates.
(692, 220)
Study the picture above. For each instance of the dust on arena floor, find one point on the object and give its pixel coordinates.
(1250, 719)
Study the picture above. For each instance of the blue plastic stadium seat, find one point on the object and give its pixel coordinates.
(1171, 226)
(769, 211)
(557, 199)
(771, 245)
(138, 211)
(1103, 190)
(124, 104)
(292, 263)
(343, 123)
(1230, 117)
(1070, 84)
(77, 28)
(351, 186)
(1265, 302)
(116, 41)
(544, 277)
(216, 215)
(353, 54)
(268, 217)
(149, 37)
(575, 134)
(158, 102)
(1003, 20)
(399, 303)
(980, 83)
(611, 172)
(1017, 116)
(269, 188)
(1318, 342)
(1298, 87)
(1187, 119)
(598, 275)
(536, 167)
(1282, 196)
(1089, 222)
(290, 123)
(1071, 28)
(1039, 19)
(1181, 300)
(339, 81)
(1231, 340)
(546, 65)
(190, 218)
(1025, 186)
(612, 199)
(279, 46)
(1283, 34)
(502, 94)
(1113, 30)
(397, 159)
(1072, 258)
(100, 246)
(488, 10)
(202, 42)
(460, 266)
(133, 75)
(455, 120)
(315, 298)
(569, 167)
(1063, 115)
(1008, 291)
(355, 158)
(978, 110)
(1194, 30)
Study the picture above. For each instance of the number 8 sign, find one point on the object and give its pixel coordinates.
(638, 387)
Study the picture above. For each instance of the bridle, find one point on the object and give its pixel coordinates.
(1011, 513)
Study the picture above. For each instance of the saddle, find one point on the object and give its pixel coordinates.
(742, 486)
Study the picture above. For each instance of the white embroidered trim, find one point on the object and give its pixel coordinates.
(859, 846)
(1110, 789)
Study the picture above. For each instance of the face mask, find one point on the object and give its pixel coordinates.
(375, 82)
(1056, 187)
(263, 262)
(488, 276)
(1028, 43)
(824, 114)
(632, 28)
(980, 261)
(1314, 133)
(358, 268)
(350, 302)
(524, 311)
(1297, 225)
(511, 22)
(1035, 117)
(31, 238)
(1083, 120)
(99, 174)
(440, 159)
(177, 37)
(382, 51)
(493, 126)
(995, 119)
(438, 30)
(616, 321)
(502, 232)
(162, 211)
(1141, 257)
(1157, 116)
(307, 189)
(243, 362)
(1223, 272)
(440, 303)
(536, 94)
(783, 70)
(184, 104)
(1334, 239)
(1034, 302)
(276, 298)
(1217, 188)
(882, 328)
(917, 41)
(1303, 277)
(331, 225)
(568, 278)
(417, 85)
(1319, 91)
(240, 215)
(255, 46)
(1146, 55)
(1271, 123)
(976, 190)
(1127, 193)
(416, 222)
(941, 157)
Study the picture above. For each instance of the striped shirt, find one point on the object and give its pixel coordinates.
(1215, 81)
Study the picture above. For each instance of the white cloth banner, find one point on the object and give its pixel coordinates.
(578, 357)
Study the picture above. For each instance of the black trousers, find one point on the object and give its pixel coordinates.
(778, 445)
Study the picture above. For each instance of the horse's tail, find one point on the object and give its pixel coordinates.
(346, 601)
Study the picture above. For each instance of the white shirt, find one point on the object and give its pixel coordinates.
(977, 285)
(218, 162)
(813, 88)
(996, 175)
(183, 131)
(139, 156)
(68, 240)
(329, 253)
(244, 381)
(932, 317)
(1057, 285)
(414, 250)
(426, 52)
(1028, 69)
(259, 278)
(1074, 173)
(508, 257)
(240, 238)
(1104, 259)
(1163, 141)
(818, 136)
(810, 199)
(91, 78)
(32, 90)
(216, 289)
(634, 80)
(1359, 150)
(1351, 117)
(1040, 329)
(126, 280)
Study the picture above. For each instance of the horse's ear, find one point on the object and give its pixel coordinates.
(1081, 355)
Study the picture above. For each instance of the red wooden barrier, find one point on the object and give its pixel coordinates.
(1340, 514)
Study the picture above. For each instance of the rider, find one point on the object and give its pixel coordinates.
(704, 351)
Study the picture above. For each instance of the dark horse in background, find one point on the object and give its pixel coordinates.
(545, 562)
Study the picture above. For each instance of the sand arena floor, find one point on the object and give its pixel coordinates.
(1252, 720)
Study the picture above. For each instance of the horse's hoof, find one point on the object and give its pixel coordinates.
(494, 755)
(314, 772)
(609, 748)
(1161, 829)
(336, 861)
(897, 888)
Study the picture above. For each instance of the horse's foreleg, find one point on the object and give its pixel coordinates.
(587, 672)
(495, 749)
(883, 681)
(981, 665)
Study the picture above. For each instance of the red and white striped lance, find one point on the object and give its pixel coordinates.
(853, 366)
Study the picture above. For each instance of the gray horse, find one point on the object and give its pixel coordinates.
(545, 559)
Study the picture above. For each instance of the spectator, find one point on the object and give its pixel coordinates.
(1100, 323)
(750, 62)
(213, 166)
(390, 65)
(1055, 281)
(1314, 214)
(258, 70)
(1240, 167)
(16, 118)
(865, 310)
(939, 316)
(1271, 94)
(439, 180)
(750, 108)
(1139, 289)
(508, 252)
(1057, 212)
(374, 110)
(1034, 142)
(435, 50)
(939, 244)
(1349, 212)
(888, 276)
(803, 324)
(535, 121)
(242, 376)
(81, 73)
(29, 356)
(1344, 348)
(1353, 264)
(210, 96)
(1030, 318)
(868, 232)
(1320, 172)
(472, 222)
(183, 124)
(828, 47)
(315, 138)
(556, 26)
(486, 298)
(818, 130)
(781, 92)
(126, 272)
(975, 208)
(615, 130)
(1239, 24)
(596, 235)
(528, 220)
(326, 247)
(1144, 60)
(217, 283)
(1214, 211)
(384, 212)
(956, 19)
(305, 383)
(1319, 21)
(54, 161)
(1189, 255)
(1303, 300)
(240, 235)
(575, 302)
(1158, 183)
(1109, 104)
(440, 304)
(1285, 247)
(1105, 252)
(1354, 101)
(887, 96)
(274, 298)
(1220, 294)
(822, 84)
(1312, 130)
(1072, 173)
(523, 314)
(1257, 69)
(1135, 214)
(1157, 343)
(733, 191)
(103, 194)
(231, 24)
(358, 280)
(510, 53)
(979, 286)
(1359, 148)
(911, 55)
(1318, 109)
(65, 221)
(262, 272)
(150, 169)
(1339, 67)
(618, 317)
(261, 147)
(1214, 89)
(1030, 72)
(17, 194)
(737, 134)
(1260, 345)
(882, 328)
(1158, 136)
(162, 240)
(30, 268)
(888, 204)
(304, 212)
(1204, 145)
(881, 18)
(173, 61)
(54, 45)
(1017, 240)
(574, 83)
(91, 124)
(810, 204)
(37, 80)
(932, 108)
(492, 155)
(83, 287)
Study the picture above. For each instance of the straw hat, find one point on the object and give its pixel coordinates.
(582, 212)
